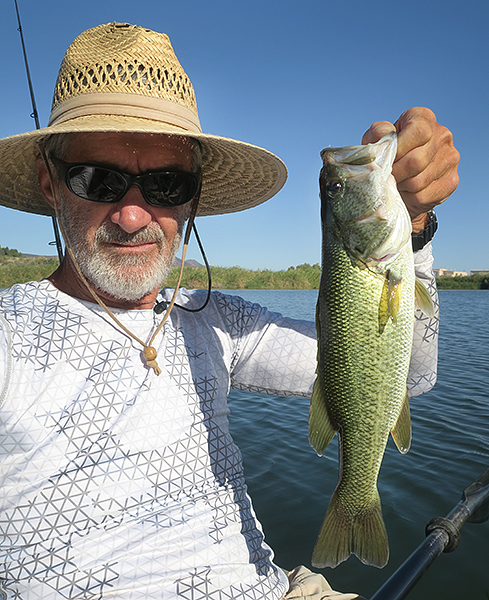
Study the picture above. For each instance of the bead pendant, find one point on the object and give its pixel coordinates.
(150, 355)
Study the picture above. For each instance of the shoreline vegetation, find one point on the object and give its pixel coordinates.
(15, 268)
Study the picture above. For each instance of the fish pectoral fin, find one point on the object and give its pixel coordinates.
(390, 299)
(401, 432)
(423, 299)
(383, 308)
(394, 289)
(321, 430)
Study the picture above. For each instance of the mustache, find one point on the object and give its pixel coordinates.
(112, 233)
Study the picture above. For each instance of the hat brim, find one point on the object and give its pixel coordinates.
(235, 175)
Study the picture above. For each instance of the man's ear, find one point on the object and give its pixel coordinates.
(44, 181)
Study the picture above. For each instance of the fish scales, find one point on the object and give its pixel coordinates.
(365, 320)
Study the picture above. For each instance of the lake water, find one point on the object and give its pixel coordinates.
(290, 486)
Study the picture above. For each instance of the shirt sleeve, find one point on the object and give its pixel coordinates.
(424, 357)
(273, 354)
(277, 355)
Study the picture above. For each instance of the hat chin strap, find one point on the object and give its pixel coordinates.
(126, 105)
(149, 352)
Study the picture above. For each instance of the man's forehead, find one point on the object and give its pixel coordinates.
(126, 147)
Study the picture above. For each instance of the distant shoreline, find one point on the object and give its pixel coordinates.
(469, 282)
(19, 269)
(303, 277)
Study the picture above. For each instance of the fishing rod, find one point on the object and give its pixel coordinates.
(443, 535)
(35, 116)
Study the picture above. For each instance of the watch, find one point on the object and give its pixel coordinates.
(420, 239)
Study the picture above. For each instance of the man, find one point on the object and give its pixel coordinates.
(118, 474)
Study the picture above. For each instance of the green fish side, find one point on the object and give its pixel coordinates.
(360, 392)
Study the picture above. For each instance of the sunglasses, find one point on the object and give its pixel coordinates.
(100, 184)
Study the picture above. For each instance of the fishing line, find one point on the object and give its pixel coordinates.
(159, 307)
(34, 115)
(162, 305)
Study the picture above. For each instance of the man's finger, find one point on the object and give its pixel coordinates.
(415, 129)
(376, 131)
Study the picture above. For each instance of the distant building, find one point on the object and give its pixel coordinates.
(479, 272)
(448, 273)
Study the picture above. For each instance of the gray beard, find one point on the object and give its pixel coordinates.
(127, 278)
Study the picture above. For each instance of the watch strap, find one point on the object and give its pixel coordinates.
(419, 240)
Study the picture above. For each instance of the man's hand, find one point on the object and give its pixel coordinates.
(426, 162)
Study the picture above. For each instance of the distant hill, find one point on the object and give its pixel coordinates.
(38, 255)
(188, 263)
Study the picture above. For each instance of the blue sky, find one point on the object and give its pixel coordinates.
(292, 77)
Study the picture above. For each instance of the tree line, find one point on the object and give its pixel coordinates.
(15, 268)
(19, 269)
(9, 251)
(469, 282)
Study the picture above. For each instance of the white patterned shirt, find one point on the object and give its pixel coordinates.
(117, 483)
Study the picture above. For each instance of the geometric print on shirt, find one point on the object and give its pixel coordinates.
(115, 481)
(424, 356)
(118, 483)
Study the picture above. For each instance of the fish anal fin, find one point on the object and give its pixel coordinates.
(321, 430)
(342, 534)
(401, 432)
(423, 299)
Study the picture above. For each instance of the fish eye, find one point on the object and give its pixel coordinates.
(334, 187)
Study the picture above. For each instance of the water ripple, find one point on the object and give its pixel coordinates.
(290, 485)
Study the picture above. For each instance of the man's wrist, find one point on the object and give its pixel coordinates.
(421, 238)
(419, 222)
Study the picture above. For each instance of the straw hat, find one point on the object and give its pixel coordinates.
(120, 77)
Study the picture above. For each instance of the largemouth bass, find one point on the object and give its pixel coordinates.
(365, 320)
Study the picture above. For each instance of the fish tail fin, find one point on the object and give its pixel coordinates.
(342, 534)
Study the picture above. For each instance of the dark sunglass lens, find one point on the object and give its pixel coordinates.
(169, 189)
(96, 184)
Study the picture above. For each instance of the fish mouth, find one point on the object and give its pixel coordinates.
(359, 156)
(382, 259)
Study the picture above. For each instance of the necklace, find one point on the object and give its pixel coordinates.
(149, 351)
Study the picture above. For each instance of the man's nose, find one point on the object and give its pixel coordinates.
(132, 212)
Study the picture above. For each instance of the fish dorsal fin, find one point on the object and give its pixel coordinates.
(321, 430)
(401, 432)
(423, 299)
